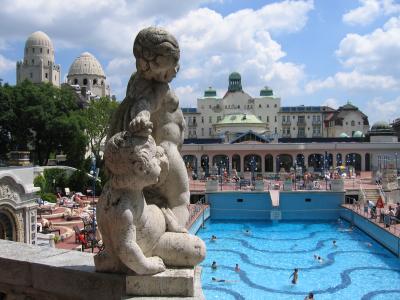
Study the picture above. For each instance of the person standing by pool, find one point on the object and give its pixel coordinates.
(334, 243)
(295, 276)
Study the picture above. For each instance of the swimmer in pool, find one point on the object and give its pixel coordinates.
(222, 280)
(214, 265)
(334, 243)
(213, 238)
(237, 268)
(247, 232)
(295, 276)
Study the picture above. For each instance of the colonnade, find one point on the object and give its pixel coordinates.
(274, 162)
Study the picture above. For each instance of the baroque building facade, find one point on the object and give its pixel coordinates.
(237, 112)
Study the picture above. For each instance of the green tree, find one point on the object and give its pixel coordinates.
(97, 118)
(39, 118)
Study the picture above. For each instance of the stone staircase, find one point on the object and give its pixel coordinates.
(372, 194)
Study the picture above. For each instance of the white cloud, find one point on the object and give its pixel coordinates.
(353, 80)
(187, 95)
(375, 53)
(212, 45)
(369, 11)
(6, 64)
(379, 109)
(331, 102)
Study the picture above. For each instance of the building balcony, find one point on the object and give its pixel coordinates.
(286, 123)
(316, 122)
(301, 123)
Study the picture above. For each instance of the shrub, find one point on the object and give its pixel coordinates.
(49, 197)
(78, 181)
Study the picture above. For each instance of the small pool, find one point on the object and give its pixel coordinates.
(267, 255)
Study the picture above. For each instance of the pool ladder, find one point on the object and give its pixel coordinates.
(276, 215)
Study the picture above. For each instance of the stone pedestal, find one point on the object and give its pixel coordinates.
(170, 283)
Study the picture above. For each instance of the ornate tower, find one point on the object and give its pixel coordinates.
(38, 64)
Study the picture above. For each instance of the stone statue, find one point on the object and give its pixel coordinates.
(150, 107)
(137, 236)
(142, 211)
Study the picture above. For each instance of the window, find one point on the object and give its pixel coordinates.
(318, 118)
(48, 63)
(33, 61)
(226, 107)
(276, 130)
(294, 117)
(308, 117)
(102, 83)
(259, 105)
(267, 118)
(85, 81)
(55, 77)
(260, 117)
(31, 75)
(267, 105)
(218, 118)
(209, 119)
(41, 50)
(202, 132)
(95, 81)
(359, 123)
(276, 119)
(347, 123)
(48, 51)
(209, 106)
(33, 50)
(202, 119)
(209, 131)
(75, 81)
(353, 123)
(238, 106)
(275, 105)
(283, 119)
(46, 75)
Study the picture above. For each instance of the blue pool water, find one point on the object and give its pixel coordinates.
(267, 257)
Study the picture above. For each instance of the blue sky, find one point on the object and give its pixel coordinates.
(310, 52)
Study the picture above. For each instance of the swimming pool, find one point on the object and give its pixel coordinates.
(267, 256)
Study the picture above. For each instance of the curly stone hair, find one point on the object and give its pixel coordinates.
(151, 46)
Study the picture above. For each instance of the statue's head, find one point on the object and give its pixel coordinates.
(133, 161)
(157, 54)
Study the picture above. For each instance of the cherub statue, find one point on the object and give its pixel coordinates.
(150, 107)
(140, 237)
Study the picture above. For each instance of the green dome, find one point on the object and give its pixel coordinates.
(343, 135)
(266, 92)
(210, 92)
(381, 125)
(358, 134)
(235, 76)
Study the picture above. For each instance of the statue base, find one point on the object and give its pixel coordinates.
(169, 284)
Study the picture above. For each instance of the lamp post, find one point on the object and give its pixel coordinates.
(95, 172)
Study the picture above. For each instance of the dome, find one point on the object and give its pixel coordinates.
(382, 125)
(87, 64)
(38, 38)
(235, 76)
(358, 134)
(343, 135)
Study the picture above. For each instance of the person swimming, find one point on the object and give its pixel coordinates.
(222, 280)
(214, 265)
(295, 276)
(213, 238)
(237, 268)
(247, 232)
(320, 260)
(334, 243)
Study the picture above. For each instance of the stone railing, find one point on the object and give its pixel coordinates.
(32, 272)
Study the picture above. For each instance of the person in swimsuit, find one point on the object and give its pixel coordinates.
(295, 276)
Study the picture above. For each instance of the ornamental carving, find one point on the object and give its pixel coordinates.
(7, 193)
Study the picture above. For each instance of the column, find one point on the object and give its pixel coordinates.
(362, 161)
(274, 163)
(262, 164)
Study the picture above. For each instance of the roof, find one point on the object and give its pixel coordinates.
(86, 63)
(266, 91)
(189, 109)
(381, 125)
(39, 38)
(249, 137)
(240, 119)
(234, 75)
(302, 109)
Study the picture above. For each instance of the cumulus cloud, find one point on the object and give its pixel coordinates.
(379, 109)
(377, 52)
(369, 11)
(331, 102)
(353, 80)
(6, 64)
(212, 45)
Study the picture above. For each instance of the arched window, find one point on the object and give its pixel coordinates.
(269, 163)
(94, 81)
(353, 123)
(102, 83)
(75, 81)
(85, 81)
(236, 162)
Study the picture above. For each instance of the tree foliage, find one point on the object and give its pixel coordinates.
(39, 118)
(97, 119)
